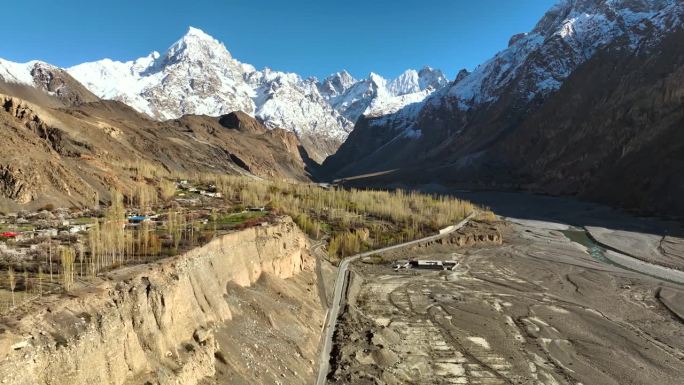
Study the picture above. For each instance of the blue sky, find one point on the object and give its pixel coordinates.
(305, 36)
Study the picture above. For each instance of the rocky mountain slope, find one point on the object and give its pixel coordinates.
(180, 320)
(72, 156)
(376, 95)
(535, 117)
(197, 75)
(42, 81)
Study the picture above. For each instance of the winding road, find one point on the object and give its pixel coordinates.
(341, 282)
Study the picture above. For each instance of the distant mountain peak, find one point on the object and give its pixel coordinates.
(192, 31)
(376, 78)
(336, 84)
(197, 45)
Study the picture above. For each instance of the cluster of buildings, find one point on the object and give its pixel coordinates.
(185, 188)
(425, 264)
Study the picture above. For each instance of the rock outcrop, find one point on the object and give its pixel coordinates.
(147, 324)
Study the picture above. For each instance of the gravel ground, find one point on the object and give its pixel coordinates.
(537, 309)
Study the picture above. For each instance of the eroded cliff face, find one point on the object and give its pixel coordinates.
(150, 324)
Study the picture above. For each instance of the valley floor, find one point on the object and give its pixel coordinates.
(538, 309)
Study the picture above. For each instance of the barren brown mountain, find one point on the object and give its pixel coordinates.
(68, 148)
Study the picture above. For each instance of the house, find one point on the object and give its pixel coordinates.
(9, 234)
(137, 219)
(425, 264)
(434, 265)
(79, 228)
(46, 233)
(211, 194)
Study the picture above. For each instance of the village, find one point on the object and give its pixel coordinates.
(53, 249)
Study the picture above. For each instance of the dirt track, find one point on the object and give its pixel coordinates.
(536, 310)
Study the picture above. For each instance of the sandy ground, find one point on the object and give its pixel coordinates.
(536, 310)
(273, 338)
(665, 251)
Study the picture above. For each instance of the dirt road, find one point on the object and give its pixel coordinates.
(341, 283)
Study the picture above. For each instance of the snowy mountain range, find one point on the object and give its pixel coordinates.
(567, 36)
(575, 106)
(535, 64)
(376, 95)
(198, 75)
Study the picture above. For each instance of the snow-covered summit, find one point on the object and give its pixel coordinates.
(196, 75)
(196, 46)
(336, 84)
(376, 95)
(286, 100)
(536, 63)
(567, 36)
(19, 73)
(412, 81)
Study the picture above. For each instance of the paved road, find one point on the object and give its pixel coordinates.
(340, 283)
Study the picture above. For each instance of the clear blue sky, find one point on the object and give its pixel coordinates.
(310, 37)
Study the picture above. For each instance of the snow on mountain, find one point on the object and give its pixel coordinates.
(376, 95)
(47, 78)
(286, 100)
(336, 84)
(535, 63)
(197, 75)
(18, 72)
(567, 36)
(412, 81)
(392, 104)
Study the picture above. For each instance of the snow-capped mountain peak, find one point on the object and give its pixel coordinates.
(196, 45)
(198, 75)
(377, 95)
(336, 84)
(429, 77)
(537, 63)
(412, 81)
(19, 73)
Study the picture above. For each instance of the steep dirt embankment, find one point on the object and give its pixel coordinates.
(149, 324)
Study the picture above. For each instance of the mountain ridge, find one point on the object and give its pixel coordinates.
(463, 133)
(198, 75)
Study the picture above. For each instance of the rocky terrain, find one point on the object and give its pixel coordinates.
(587, 103)
(180, 320)
(537, 309)
(79, 152)
(198, 76)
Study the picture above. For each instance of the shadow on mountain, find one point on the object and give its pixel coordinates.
(310, 165)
